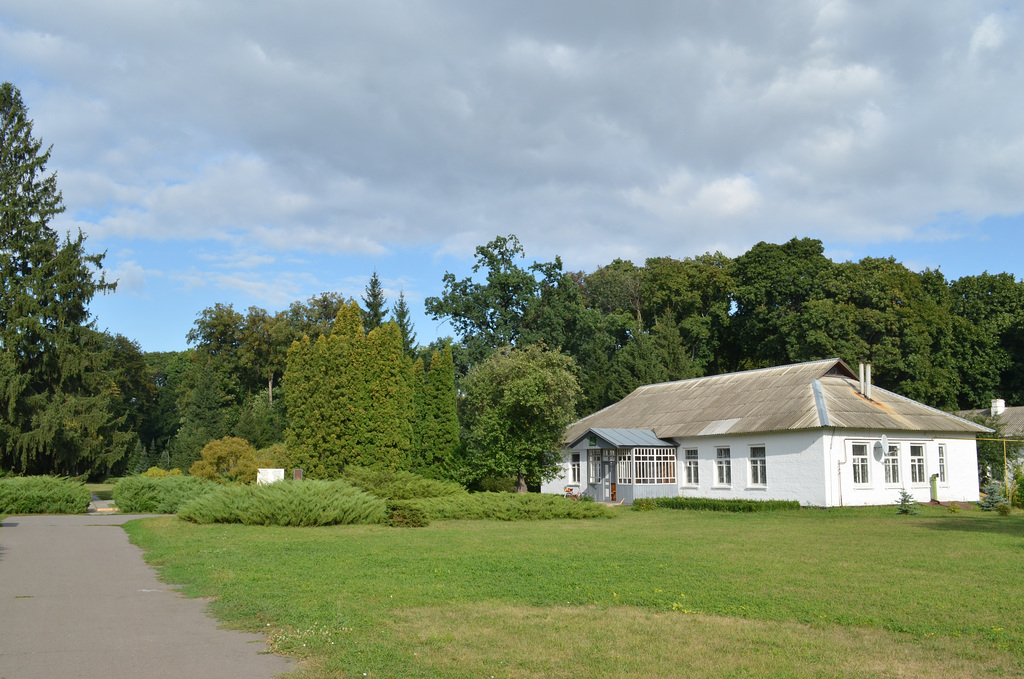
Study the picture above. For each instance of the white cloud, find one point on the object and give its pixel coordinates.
(989, 35)
(398, 131)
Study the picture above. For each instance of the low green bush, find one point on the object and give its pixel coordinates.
(158, 473)
(144, 494)
(508, 507)
(404, 514)
(717, 504)
(644, 504)
(398, 485)
(286, 503)
(43, 495)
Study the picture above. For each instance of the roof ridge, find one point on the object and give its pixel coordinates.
(741, 372)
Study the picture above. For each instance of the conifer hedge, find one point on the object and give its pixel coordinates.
(287, 503)
(713, 504)
(158, 495)
(43, 495)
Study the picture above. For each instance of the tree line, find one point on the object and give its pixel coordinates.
(330, 381)
(950, 344)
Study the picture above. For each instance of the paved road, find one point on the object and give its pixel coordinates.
(78, 601)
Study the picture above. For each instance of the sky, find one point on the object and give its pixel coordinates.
(256, 153)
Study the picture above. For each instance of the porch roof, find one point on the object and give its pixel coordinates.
(626, 438)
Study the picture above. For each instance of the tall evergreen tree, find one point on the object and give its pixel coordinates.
(439, 422)
(388, 421)
(375, 304)
(54, 417)
(327, 397)
(400, 315)
(202, 421)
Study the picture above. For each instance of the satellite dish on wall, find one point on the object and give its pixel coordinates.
(881, 446)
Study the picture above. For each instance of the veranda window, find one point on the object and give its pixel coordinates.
(655, 465)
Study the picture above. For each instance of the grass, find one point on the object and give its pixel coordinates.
(814, 593)
(104, 491)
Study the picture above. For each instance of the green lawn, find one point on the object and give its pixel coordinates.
(809, 593)
(104, 491)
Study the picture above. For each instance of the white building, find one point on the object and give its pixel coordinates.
(812, 432)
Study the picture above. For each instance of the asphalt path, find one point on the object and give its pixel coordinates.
(78, 601)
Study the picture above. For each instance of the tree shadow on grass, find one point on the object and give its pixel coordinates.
(995, 524)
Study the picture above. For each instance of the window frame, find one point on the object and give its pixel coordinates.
(723, 467)
(942, 463)
(891, 464)
(574, 468)
(691, 462)
(654, 466)
(861, 464)
(758, 466)
(918, 470)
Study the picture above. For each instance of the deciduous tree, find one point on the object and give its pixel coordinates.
(517, 405)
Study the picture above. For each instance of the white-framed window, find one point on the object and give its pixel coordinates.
(942, 463)
(723, 467)
(574, 468)
(692, 475)
(625, 465)
(860, 463)
(917, 464)
(758, 466)
(891, 462)
(594, 465)
(655, 465)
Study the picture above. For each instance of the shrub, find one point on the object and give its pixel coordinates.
(1003, 508)
(306, 503)
(508, 507)
(274, 457)
(226, 460)
(397, 485)
(993, 496)
(42, 495)
(644, 504)
(906, 504)
(497, 484)
(953, 508)
(722, 505)
(404, 514)
(144, 494)
(158, 473)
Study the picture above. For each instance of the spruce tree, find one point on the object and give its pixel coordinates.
(202, 421)
(400, 315)
(375, 303)
(54, 416)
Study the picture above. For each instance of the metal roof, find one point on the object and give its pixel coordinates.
(790, 397)
(626, 438)
(1011, 420)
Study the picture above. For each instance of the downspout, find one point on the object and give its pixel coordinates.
(839, 465)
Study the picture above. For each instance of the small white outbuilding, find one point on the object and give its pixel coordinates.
(813, 432)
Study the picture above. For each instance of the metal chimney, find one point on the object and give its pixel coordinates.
(867, 381)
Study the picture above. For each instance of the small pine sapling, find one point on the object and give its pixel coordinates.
(906, 504)
(993, 496)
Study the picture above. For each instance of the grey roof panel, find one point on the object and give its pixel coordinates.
(770, 399)
(626, 438)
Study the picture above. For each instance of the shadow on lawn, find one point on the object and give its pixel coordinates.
(1002, 525)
